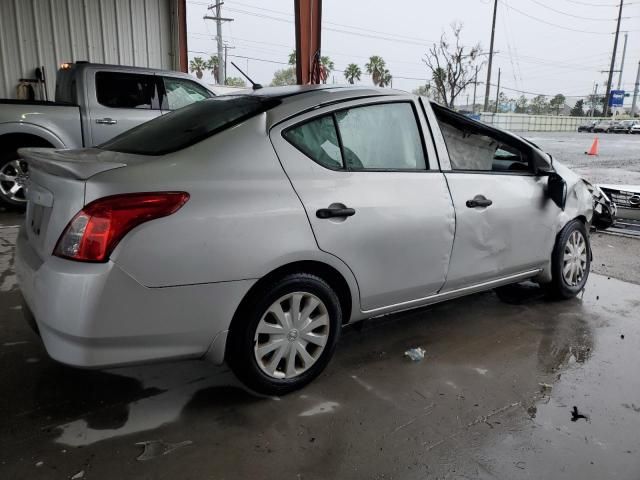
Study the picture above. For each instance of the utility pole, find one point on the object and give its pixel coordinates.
(636, 88)
(594, 99)
(613, 62)
(493, 32)
(624, 54)
(222, 71)
(475, 84)
(226, 54)
(497, 93)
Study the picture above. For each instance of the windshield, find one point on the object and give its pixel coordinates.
(189, 125)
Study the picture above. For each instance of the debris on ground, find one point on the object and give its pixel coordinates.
(78, 475)
(575, 415)
(39, 464)
(415, 354)
(622, 336)
(156, 448)
(545, 387)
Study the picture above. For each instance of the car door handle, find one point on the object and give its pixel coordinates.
(335, 212)
(479, 201)
(106, 121)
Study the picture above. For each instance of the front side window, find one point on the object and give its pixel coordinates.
(180, 92)
(126, 90)
(373, 137)
(474, 150)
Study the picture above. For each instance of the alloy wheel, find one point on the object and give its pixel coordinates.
(575, 259)
(13, 179)
(291, 335)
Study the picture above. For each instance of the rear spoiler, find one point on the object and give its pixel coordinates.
(78, 164)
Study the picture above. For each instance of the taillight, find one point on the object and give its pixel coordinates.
(95, 231)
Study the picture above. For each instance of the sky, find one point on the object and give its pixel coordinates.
(542, 46)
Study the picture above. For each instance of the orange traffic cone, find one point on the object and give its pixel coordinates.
(594, 147)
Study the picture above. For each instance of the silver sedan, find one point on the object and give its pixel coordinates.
(250, 228)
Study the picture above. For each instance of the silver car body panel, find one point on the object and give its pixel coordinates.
(172, 285)
(57, 124)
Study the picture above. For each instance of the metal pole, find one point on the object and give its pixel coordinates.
(613, 62)
(221, 70)
(493, 31)
(624, 54)
(636, 88)
(594, 99)
(475, 85)
(225, 65)
(497, 93)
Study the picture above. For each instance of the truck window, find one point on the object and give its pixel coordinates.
(126, 90)
(189, 125)
(180, 92)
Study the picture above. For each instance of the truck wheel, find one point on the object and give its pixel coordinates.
(14, 174)
(570, 261)
(286, 335)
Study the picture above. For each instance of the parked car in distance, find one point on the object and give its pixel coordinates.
(587, 127)
(623, 126)
(635, 128)
(93, 103)
(252, 227)
(603, 126)
(626, 199)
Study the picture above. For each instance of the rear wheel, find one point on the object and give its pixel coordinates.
(570, 262)
(284, 337)
(14, 174)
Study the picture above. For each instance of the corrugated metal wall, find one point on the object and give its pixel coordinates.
(50, 32)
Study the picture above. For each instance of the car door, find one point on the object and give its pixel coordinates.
(122, 100)
(505, 223)
(177, 92)
(373, 194)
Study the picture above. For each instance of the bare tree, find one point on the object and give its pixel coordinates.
(452, 65)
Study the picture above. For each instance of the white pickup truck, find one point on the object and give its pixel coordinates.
(93, 103)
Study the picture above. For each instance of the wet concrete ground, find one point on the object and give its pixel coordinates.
(618, 161)
(493, 398)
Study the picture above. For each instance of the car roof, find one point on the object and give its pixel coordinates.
(296, 99)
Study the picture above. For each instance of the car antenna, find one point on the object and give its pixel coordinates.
(256, 86)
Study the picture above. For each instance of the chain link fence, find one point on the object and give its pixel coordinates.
(522, 122)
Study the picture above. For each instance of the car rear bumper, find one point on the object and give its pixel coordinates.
(96, 315)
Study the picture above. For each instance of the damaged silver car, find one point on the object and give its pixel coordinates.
(251, 227)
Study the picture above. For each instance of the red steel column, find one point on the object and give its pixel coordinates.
(308, 36)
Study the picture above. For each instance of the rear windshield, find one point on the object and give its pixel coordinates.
(189, 125)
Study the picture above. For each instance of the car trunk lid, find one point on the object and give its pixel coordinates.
(56, 189)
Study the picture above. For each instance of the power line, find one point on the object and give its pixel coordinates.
(587, 4)
(550, 23)
(599, 19)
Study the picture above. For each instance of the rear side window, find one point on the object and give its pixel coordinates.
(126, 90)
(189, 125)
(318, 140)
(373, 137)
(180, 92)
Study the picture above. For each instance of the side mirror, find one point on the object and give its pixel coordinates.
(557, 190)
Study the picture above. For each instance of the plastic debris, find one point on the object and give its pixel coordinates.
(415, 354)
(39, 464)
(544, 387)
(78, 475)
(156, 448)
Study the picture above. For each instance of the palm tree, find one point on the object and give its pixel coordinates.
(198, 65)
(326, 66)
(375, 68)
(214, 65)
(386, 78)
(352, 73)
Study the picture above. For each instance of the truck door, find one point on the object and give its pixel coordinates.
(121, 101)
(373, 194)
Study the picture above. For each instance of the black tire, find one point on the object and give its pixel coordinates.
(559, 288)
(5, 201)
(240, 346)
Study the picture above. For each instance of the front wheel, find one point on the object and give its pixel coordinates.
(285, 336)
(570, 261)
